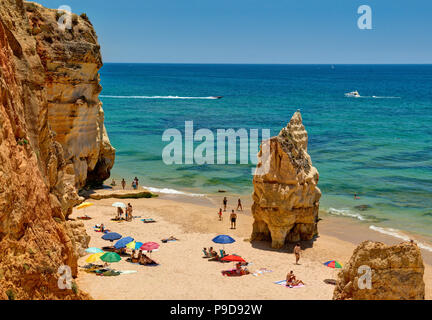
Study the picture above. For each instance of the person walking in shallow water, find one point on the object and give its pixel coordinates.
(123, 183)
(297, 250)
(233, 218)
(225, 202)
(239, 205)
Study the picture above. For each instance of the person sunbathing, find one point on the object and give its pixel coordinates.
(291, 280)
(134, 258)
(146, 260)
(206, 253)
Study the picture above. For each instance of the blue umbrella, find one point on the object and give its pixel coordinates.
(123, 242)
(111, 236)
(93, 250)
(223, 238)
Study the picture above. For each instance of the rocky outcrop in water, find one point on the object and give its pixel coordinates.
(52, 140)
(286, 198)
(396, 273)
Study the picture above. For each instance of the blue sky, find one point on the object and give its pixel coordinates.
(258, 31)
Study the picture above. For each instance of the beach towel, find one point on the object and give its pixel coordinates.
(127, 271)
(261, 271)
(283, 283)
(148, 220)
(84, 218)
(168, 240)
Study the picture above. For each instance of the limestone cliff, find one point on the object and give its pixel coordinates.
(52, 139)
(396, 272)
(71, 59)
(286, 196)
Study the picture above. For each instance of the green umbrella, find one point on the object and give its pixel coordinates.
(110, 257)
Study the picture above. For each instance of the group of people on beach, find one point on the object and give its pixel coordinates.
(233, 215)
(123, 183)
(128, 213)
(141, 258)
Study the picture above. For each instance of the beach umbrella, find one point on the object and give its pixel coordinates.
(110, 257)
(119, 204)
(333, 264)
(149, 246)
(134, 245)
(93, 250)
(123, 242)
(233, 258)
(94, 257)
(85, 205)
(223, 239)
(111, 236)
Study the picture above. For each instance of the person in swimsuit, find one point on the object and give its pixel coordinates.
(233, 217)
(225, 201)
(220, 214)
(123, 183)
(297, 250)
(239, 205)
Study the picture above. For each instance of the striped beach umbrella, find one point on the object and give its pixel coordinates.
(333, 264)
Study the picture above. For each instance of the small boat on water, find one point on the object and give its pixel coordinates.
(217, 97)
(354, 94)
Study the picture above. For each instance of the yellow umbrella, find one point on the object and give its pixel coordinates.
(95, 257)
(131, 245)
(85, 205)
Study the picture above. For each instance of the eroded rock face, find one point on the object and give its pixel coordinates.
(396, 273)
(286, 198)
(37, 182)
(72, 59)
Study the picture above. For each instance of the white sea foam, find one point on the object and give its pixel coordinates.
(172, 191)
(346, 213)
(156, 97)
(398, 234)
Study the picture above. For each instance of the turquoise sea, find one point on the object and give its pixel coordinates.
(378, 145)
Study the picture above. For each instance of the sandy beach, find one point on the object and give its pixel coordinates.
(183, 273)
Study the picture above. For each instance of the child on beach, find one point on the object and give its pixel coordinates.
(220, 214)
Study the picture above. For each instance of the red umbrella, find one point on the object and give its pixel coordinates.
(233, 258)
(149, 246)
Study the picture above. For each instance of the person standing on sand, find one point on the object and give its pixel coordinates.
(220, 214)
(297, 250)
(123, 183)
(225, 201)
(129, 212)
(136, 181)
(134, 186)
(233, 217)
(239, 205)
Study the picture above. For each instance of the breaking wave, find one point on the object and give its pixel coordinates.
(397, 234)
(172, 191)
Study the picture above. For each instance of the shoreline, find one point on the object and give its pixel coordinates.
(182, 269)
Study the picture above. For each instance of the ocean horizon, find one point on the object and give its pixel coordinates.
(378, 146)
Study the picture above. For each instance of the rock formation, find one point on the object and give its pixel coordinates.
(396, 273)
(286, 198)
(51, 140)
(72, 59)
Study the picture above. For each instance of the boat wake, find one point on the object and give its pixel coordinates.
(159, 97)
